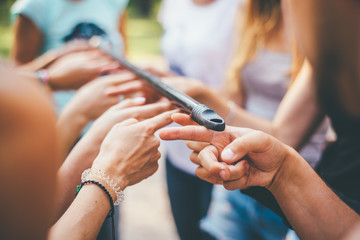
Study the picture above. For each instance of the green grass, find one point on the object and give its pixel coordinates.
(6, 39)
(143, 38)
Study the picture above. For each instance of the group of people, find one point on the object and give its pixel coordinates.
(275, 70)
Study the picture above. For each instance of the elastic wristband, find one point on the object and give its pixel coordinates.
(43, 76)
(87, 174)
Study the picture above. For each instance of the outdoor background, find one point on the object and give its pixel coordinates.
(143, 31)
(145, 213)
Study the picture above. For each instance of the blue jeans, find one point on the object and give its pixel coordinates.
(233, 215)
(189, 200)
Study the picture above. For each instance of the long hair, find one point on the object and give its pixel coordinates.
(263, 18)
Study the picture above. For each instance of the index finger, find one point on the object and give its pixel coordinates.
(192, 133)
(183, 119)
(159, 121)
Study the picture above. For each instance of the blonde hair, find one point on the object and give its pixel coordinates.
(263, 18)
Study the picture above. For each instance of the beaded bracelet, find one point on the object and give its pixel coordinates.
(86, 175)
(78, 188)
(111, 212)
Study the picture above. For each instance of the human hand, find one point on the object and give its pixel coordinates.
(128, 108)
(129, 153)
(237, 158)
(95, 97)
(74, 69)
(191, 87)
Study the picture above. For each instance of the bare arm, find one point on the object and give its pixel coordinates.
(309, 204)
(84, 153)
(90, 208)
(28, 40)
(128, 154)
(313, 209)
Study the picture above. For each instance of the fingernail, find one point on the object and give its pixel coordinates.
(139, 100)
(227, 154)
(222, 174)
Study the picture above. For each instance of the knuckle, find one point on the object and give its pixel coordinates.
(149, 130)
(156, 142)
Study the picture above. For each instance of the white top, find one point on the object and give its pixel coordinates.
(58, 19)
(197, 42)
(266, 80)
(61, 21)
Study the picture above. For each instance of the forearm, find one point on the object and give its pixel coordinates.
(69, 174)
(241, 117)
(290, 124)
(40, 62)
(312, 208)
(70, 125)
(85, 216)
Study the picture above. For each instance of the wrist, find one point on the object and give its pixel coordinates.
(75, 114)
(286, 172)
(113, 186)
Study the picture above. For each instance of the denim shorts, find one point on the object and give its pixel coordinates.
(233, 215)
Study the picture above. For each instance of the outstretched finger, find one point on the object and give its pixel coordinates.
(149, 110)
(159, 121)
(191, 133)
(183, 119)
(130, 102)
(119, 78)
(126, 88)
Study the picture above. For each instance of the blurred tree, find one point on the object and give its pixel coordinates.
(143, 8)
(4, 11)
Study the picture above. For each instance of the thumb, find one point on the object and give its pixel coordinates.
(255, 141)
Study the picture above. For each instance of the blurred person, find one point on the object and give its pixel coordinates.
(126, 151)
(90, 101)
(196, 39)
(259, 77)
(328, 83)
(41, 26)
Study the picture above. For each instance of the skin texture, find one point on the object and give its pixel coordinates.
(77, 68)
(89, 102)
(86, 150)
(29, 160)
(239, 158)
(28, 153)
(135, 160)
